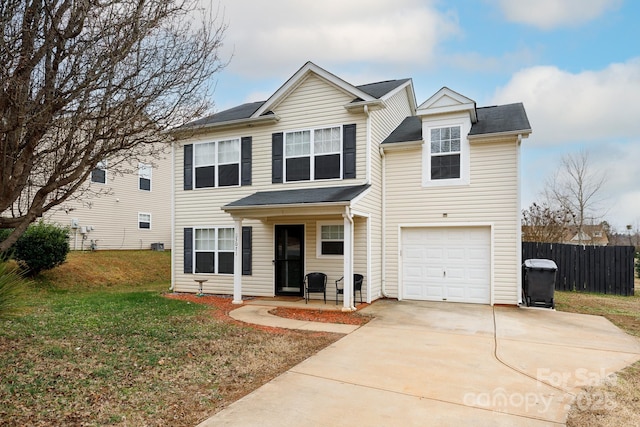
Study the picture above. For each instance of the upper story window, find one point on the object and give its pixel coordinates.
(144, 177)
(217, 163)
(445, 153)
(313, 154)
(99, 174)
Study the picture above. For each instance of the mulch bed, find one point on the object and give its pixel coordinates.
(324, 316)
(223, 305)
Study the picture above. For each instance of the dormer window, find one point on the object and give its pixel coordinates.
(445, 153)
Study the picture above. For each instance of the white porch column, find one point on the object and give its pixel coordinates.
(348, 261)
(237, 262)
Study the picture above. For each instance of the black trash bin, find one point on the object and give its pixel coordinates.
(539, 282)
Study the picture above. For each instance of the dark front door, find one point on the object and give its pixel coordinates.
(289, 259)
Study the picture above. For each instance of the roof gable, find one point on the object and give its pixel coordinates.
(448, 101)
(300, 76)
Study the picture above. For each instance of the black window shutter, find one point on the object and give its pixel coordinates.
(188, 167)
(246, 251)
(245, 170)
(349, 151)
(276, 157)
(188, 250)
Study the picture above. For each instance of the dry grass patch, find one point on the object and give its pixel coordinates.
(617, 403)
(107, 353)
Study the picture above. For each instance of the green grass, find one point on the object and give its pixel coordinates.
(114, 351)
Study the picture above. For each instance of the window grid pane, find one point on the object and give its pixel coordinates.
(204, 154)
(326, 141)
(332, 232)
(297, 144)
(144, 171)
(225, 239)
(445, 140)
(229, 151)
(205, 239)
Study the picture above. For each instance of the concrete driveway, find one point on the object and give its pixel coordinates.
(424, 363)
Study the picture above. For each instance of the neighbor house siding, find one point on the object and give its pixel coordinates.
(490, 198)
(113, 213)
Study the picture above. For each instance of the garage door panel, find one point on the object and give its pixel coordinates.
(448, 263)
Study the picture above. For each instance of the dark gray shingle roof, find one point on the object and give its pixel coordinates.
(243, 111)
(496, 119)
(301, 196)
(501, 118)
(409, 130)
(380, 89)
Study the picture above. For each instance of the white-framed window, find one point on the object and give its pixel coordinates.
(446, 153)
(330, 238)
(214, 250)
(99, 174)
(217, 163)
(144, 176)
(313, 154)
(144, 221)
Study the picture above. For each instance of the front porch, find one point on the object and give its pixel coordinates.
(309, 230)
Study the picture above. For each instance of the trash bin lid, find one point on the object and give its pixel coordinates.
(540, 264)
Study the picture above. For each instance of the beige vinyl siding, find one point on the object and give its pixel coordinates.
(383, 122)
(491, 197)
(314, 103)
(114, 213)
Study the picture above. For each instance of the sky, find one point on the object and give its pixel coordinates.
(574, 64)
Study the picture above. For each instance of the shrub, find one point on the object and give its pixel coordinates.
(11, 288)
(41, 247)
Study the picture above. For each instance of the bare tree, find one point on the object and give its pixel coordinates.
(576, 187)
(87, 80)
(541, 223)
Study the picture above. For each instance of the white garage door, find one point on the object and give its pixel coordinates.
(447, 264)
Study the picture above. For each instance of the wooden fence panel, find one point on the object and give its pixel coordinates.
(601, 269)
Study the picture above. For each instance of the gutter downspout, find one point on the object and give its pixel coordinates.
(368, 154)
(518, 227)
(383, 288)
(173, 215)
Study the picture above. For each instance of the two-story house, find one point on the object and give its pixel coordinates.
(422, 200)
(128, 207)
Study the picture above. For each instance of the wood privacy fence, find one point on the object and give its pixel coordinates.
(601, 269)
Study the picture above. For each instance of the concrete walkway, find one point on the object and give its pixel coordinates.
(423, 363)
(259, 315)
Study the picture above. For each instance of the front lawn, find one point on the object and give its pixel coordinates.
(115, 351)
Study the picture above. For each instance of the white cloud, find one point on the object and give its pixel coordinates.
(548, 14)
(578, 107)
(276, 37)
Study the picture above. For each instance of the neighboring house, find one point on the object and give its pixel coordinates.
(591, 235)
(423, 200)
(130, 210)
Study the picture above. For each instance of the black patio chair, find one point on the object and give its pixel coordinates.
(315, 282)
(357, 286)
